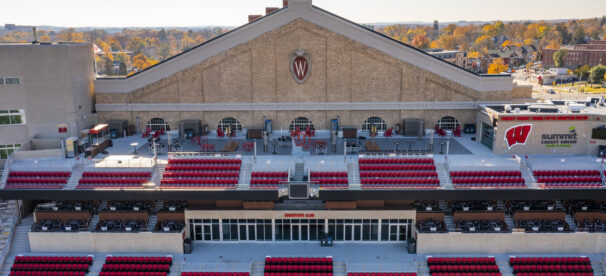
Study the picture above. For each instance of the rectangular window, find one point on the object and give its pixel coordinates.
(1, 81)
(12, 117)
(6, 150)
(12, 81)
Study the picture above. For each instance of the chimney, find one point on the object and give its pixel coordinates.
(35, 36)
(254, 17)
(284, 3)
(269, 10)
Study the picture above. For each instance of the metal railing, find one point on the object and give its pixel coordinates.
(6, 250)
(6, 170)
(213, 154)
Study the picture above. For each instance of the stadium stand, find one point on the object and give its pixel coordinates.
(37, 180)
(215, 273)
(329, 180)
(469, 266)
(113, 180)
(551, 266)
(487, 179)
(51, 266)
(431, 225)
(298, 266)
(569, 178)
(472, 205)
(136, 266)
(381, 274)
(267, 180)
(209, 173)
(395, 173)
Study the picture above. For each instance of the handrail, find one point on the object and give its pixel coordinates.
(6, 172)
(9, 241)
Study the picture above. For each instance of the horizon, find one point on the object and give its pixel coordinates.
(363, 12)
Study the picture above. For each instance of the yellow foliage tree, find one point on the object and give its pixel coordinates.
(497, 66)
(473, 54)
(435, 44)
(141, 62)
(506, 43)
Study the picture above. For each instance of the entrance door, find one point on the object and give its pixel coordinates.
(247, 231)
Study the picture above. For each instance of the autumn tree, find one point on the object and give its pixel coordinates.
(497, 66)
(420, 41)
(558, 58)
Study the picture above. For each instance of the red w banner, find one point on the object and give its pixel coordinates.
(517, 135)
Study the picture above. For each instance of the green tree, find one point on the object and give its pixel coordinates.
(579, 35)
(583, 72)
(108, 67)
(597, 73)
(558, 58)
(136, 44)
(122, 70)
(499, 27)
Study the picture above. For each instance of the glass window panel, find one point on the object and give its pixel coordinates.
(1, 81)
(260, 232)
(348, 232)
(216, 232)
(251, 232)
(268, 234)
(357, 232)
(313, 232)
(12, 81)
(243, 232)
(366, 232)
(278, 232)
(374, 232)
(340, 232)
(234, 232)
(384, 232)
(226, 231)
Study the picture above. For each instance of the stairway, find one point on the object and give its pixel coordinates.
(157, 175)
(444, 176)
(511, 224)
(448, 220)
(353, 176)
(96, 267)
(151, 222)
(571, 222)
(504, 268)
(528, 177)
(598, 266)
(299, 171)
(74, 179)
(257, 269)
(245, 176)
(19, 243)
(422, 268)
(339, 269)
(443, 205)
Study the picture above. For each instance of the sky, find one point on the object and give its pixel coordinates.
(183, 13)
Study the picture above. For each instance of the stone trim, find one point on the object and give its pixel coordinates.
(290, 106)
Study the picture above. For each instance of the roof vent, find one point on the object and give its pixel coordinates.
(576, 108)
(507, 108)
(517, 110)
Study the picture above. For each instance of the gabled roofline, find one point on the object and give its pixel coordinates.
(302, 9)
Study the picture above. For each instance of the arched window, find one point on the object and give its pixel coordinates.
(447, 123)
(302, 123)
(376, 121)
(229, 121)
(157, 124)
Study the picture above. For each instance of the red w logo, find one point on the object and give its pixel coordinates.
(517, 135)
(300, 67)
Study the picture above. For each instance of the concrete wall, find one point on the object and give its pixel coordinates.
(89, 242)
(34, 154)
(56, 88)
(506, 243)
